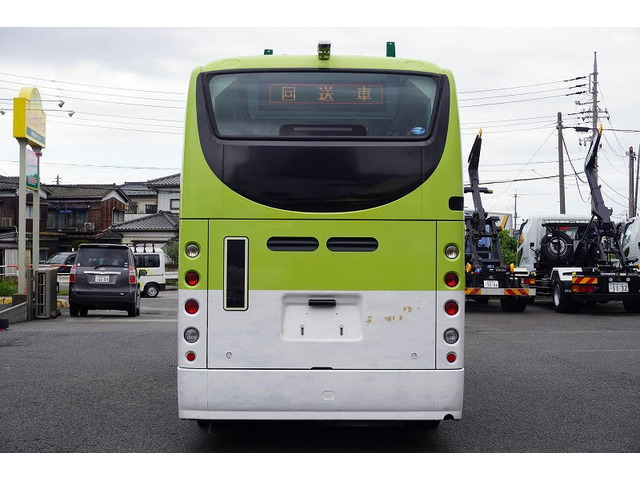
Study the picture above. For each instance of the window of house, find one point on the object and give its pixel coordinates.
(174, 204)
(118, 216)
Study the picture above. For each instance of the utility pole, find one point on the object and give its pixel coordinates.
(515, 211)
(632, 202)
(561, 164)
(635, 196)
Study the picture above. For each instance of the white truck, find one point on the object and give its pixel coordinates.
(151, 271)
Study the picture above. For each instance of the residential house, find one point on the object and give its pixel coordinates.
(168, 189)
(151, 231)
(9, 221)
(142, 200)
(82, 212)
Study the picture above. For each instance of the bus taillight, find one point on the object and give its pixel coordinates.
(191, 356)
(451, 357)
(191, 307)
(451, 307)
(192, 278)
(451, 279)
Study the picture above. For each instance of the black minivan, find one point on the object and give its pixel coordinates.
(104, 278)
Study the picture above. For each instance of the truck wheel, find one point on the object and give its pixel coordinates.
(562, 302)
(151, 290)
(513, 304)
(556, 248)
(631, 306)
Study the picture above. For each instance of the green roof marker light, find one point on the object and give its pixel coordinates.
(391, 49)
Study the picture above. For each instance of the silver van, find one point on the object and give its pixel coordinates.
(104, 278)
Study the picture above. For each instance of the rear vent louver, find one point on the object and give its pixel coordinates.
(292, 244)
(352, 244)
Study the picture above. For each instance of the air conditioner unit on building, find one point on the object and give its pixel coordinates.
(88, 226)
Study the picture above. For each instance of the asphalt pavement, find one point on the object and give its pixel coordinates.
(535, 381)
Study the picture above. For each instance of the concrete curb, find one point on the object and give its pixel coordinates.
(60, 304)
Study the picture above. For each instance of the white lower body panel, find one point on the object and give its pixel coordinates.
(238, 394)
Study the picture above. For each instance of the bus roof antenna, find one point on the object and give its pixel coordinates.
(324, 50)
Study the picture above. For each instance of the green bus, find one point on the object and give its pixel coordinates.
(321, 231)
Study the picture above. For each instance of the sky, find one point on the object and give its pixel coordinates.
(126, 86)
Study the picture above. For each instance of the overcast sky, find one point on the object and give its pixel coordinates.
(127, 88)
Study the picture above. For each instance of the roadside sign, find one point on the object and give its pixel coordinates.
(33, 174)
(29, 119)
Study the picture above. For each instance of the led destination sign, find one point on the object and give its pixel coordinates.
(326, 94)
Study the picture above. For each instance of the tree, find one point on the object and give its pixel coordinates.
(171, 250)
(509, 246)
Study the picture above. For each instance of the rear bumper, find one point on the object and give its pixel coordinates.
(106, 302)
(320, 394)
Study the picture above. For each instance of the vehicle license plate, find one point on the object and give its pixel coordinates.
(102, 278)
(491, 284)
(618, 287)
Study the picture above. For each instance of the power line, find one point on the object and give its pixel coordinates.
(93, 86)
(74, 124)
(531, 179)
(93, 165)
(523, 100)
(97, 93)
(516, 94)
(512, 120)
(119, 122)
(116, 103)
(522, 86)
(79, 112)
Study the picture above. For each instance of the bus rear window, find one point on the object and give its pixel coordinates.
(322, 104)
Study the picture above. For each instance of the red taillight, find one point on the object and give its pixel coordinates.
(132, 275)
(529, 281)
(191, 307)
(451, 307)
(583, 288)
(191, 356)
(451, 279)
(72, 274)
(451, 357)
(192, 279)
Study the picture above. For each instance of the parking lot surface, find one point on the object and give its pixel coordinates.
(535, 381)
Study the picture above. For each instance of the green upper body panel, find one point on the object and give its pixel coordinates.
(204, 195)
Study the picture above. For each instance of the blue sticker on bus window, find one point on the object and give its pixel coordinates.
(418, 130)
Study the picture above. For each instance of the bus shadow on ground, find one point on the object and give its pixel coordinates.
(317, 436)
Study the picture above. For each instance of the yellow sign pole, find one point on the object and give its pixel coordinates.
(29, 128)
